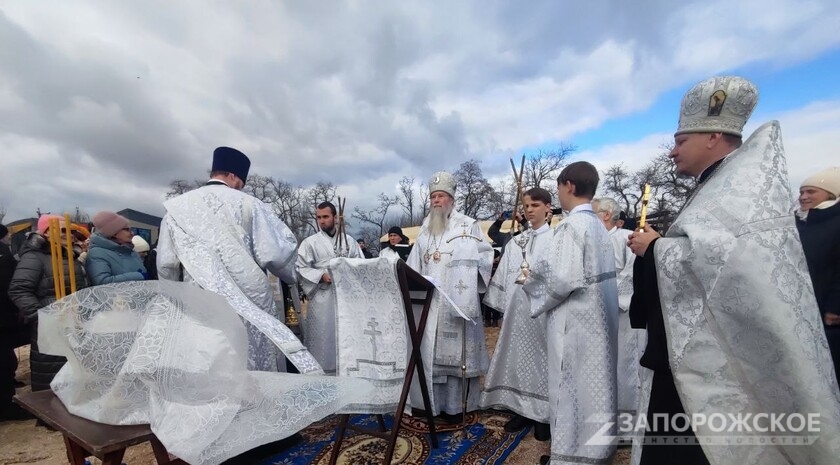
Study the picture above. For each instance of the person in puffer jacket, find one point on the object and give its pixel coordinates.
(111, 257)
(33, 287)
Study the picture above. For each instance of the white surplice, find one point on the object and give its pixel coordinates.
(224, 241)
(517, 379)
(745, 336)
(631, 342)
(574, 284)
(460, 265)
(318, 323)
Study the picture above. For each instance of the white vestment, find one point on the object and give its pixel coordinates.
(174, 356)
(224, 241)
(460, 265)
(388, 252)
(574, 283)
(744, 332)
(631, 342)
(518, 379)
(318, 323)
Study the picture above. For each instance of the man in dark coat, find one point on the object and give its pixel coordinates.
(9, 329)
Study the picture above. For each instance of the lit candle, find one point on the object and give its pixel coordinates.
(645, 199)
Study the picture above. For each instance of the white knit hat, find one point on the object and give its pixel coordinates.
(140, 244)
(442, 181)
(719, 104)
(827, 180)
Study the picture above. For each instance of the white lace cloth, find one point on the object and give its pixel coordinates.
(174, 356)
(371, 329)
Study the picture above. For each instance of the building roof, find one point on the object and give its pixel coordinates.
(141, 217)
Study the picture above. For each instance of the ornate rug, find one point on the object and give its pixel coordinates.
(482, 441)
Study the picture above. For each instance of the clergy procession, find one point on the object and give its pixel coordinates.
(714, 341)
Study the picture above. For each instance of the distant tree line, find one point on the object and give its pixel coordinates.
(476, 196)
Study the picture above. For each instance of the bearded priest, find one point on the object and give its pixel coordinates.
(451, 252)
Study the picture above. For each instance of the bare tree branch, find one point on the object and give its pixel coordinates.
(669, 190)
(543, 167)
(475, 195)
(377, 215)
(180, 186)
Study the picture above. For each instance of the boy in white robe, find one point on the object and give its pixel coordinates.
(517, 379)
(574, 285)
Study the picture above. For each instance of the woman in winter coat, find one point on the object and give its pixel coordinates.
(818, 221)
(33, 287)
(111, 257)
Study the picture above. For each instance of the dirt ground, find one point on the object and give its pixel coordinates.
(21, 442)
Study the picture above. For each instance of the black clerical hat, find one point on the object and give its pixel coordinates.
(232, 161)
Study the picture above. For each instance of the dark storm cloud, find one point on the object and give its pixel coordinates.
(87, 105)
(360, 93)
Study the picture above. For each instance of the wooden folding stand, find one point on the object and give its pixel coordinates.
(409, 280)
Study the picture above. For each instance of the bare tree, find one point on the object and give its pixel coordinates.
(543, 167)
(506, 190)
(2, 212)
(376, 216)
(407, 198)
(80, 217)
(425, 202)
(475, 195)
(290, 207)
(668, 190)
(414, 199)
(262, 187)
(371, 235)
(619, 183)
(181, 186)
(322, 191)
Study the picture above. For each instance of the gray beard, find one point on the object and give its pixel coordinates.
(439, 220)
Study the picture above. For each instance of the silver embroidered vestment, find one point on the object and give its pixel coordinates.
(631, 342)
(518, 379)
(744, 333)
(224, 241)
(574, 284)
(461, 267)
(318, 323)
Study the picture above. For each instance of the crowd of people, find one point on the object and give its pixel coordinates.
(735, 309)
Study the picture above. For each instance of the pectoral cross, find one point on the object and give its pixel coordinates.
(373, 332)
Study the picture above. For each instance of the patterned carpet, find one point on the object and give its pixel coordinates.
(483, 441)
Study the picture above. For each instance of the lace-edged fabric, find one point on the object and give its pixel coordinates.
(174, 356)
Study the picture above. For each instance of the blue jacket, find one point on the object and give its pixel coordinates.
(108, 262)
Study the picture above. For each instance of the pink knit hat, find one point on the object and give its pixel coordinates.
(109, 224)
(44, 222)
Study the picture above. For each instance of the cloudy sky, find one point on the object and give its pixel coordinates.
(103, 103)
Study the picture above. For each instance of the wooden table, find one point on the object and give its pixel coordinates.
(83, 437)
